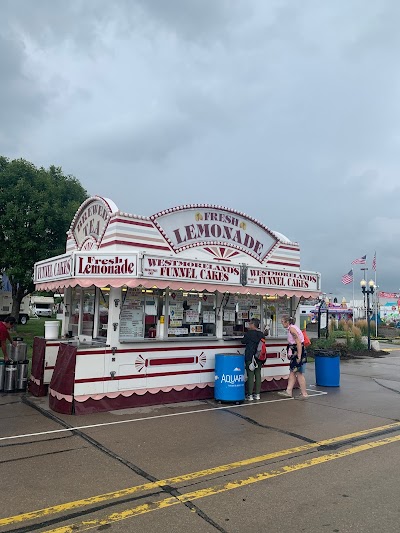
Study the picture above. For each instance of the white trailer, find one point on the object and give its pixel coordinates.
(6, 307)
(42, 306)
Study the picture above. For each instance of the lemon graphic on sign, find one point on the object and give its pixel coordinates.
(198, 216)
(242, 226)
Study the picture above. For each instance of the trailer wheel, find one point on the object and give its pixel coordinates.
(23, 320)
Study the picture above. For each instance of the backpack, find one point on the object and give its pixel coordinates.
(261, 352)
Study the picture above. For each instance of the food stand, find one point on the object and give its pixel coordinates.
(149, 301)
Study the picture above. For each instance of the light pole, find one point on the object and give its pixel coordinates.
(323, 307)
(367, 292)
(364, 276)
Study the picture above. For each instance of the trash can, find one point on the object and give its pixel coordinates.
(22, 375)
(229, 377)
(17, 352)
(327, 368)
(2, 369)
(10, 374)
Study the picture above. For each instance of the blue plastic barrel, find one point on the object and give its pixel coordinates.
(327, 368)
(229, 377)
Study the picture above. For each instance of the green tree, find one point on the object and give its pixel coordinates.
(36, 209)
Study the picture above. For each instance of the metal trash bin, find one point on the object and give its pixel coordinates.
(18, 352)
(22, 375)
(10, 375)
(327, 368)
(2, 371)
(229, 377)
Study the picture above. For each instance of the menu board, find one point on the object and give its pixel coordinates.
(192, 316)
(282, 308)
(176, 311)
(209, 317)
(229, 316)
(178, 331)
(131, 325)
(175, 323)
(255, 312)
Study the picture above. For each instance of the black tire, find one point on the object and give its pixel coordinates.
(23, 319)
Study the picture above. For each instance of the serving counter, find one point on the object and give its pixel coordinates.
(89, 377)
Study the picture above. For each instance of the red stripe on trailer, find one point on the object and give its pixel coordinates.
(133, 222)
(141, 244)
(141, 376)
(164, 349)
(159, 374)
(284, 264)
(172, 361)
(285, 247)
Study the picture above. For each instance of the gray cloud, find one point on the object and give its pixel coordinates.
(21, 100)
(287, 112)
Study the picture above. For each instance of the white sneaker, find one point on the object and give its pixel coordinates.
(285, 394)
(249, 398)
(257, 397)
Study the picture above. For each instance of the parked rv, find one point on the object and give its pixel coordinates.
(6, 307)
(42, 306)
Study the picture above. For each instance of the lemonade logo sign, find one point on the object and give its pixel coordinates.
(188, 227)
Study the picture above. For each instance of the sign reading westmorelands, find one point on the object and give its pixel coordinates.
(187, 227)
(59, 267)
(104, 265)
(263, 277)
(182, 269)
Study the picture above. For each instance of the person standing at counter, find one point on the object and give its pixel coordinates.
(296, 354)
(5, 326)
(251, 339)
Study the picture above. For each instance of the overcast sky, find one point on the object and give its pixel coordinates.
(286, 110)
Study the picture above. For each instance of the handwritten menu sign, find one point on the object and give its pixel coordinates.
(131, 325)
(282, 308)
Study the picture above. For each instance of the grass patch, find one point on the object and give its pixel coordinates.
(34, 328)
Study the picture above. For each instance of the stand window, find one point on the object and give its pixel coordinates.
(191, 314)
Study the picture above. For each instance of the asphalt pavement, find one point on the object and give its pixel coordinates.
(327, 464)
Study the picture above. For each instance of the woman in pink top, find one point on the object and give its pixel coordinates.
(296, 354)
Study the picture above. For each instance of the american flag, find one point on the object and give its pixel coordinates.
(360, 261)
(374, 263)
(348, 278)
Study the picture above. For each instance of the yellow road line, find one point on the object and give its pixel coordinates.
(218, 489)
(64, 507)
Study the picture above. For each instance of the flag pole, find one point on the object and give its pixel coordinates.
(376, 303)
(354, 304)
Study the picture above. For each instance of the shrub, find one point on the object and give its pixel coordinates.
(345, 325)
(322, 343)
(357, 344)
(363, 326)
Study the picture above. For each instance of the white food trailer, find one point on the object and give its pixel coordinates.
(150, 301)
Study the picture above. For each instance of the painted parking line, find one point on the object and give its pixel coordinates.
(146, 418)
(218, 489)
(77, 504)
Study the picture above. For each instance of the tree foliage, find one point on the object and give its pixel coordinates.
(36, 209)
